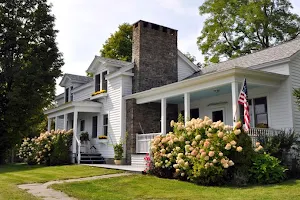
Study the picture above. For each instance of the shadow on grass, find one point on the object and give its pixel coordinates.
(7, 168)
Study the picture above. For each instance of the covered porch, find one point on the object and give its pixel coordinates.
(78, 116)
(215, 95)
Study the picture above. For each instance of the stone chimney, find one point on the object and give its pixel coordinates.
(154, 53)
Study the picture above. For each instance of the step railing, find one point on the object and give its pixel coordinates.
(143, 142)
(78, 146)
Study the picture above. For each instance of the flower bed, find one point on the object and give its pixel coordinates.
(98, 92)
(203, 152)
(50, 148)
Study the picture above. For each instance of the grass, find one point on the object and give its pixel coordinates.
(12, 175)
(149, 187)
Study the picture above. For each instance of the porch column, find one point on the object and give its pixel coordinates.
(56, 122)
(235, 106)
(49, 124)
(187, 107)
(163, 116)
(65, 121)
(75, 134)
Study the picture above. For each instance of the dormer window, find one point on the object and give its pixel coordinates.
(71, 94)
(100, 82)
(67, 95)
(104, 82)
(97, 82)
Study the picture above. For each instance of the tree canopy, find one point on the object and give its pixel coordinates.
(238, 27)
(29, 64)
(119, 45)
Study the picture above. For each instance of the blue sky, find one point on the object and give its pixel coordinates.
(84, 25)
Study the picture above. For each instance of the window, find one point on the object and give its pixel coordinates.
(217, 115)
(82, 123)
(72, 123)
(67, 95)
(97, 82)
(194, 113)
(94, 126)
(104, 82)
(258, 112)
(105, 124)
(71, 94)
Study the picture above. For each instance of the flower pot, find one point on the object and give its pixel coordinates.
(118, 162)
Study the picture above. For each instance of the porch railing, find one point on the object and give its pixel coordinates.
(143, 142)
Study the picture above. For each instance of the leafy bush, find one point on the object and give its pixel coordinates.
(266, 169)
(118, 150)
(50, 148)
(199, 151)
(278, 143)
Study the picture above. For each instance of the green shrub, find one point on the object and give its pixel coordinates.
(61, 150)
(84, 136)
(266, 169)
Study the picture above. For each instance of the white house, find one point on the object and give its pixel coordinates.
(142, 96)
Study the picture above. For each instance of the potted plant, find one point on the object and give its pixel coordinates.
(84, 136)
(118, 150)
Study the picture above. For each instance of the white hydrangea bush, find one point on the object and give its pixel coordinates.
(197, 150)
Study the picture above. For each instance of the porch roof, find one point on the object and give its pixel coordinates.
(211, 80)
(80, 106)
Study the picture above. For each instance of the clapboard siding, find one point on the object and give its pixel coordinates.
(126, 85)
(184, 70)
(112, 106)
(295, 83)
(84, 94)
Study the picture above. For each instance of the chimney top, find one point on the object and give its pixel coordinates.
(153, 26)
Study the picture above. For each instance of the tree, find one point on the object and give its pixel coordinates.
(239, 27)
(190, 57)
(119, 45)
(29, 64)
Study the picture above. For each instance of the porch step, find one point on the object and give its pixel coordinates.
(138, 160)
(92, 158)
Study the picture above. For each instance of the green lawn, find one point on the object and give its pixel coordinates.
(12, 175)
(149, 187)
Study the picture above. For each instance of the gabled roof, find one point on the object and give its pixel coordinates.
(75, 78)
(191, 64)
(109, 61)
(277, 53)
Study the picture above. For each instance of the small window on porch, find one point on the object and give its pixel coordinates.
(217, 116)
(105, 124)
(94, 126)
(82, 124)
(97, 82)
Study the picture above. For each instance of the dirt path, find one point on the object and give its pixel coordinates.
(43, 191)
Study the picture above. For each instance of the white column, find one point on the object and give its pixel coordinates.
(187, 107)
(235, 106)
(65, 121)
(75, 132)
(49, 124)
(56, 122)
(163, 116)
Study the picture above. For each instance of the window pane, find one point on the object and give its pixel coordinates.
(97, 82)
(82, 122)
(194, 113)
(105, 119)
(94, 126)
(67, 95)
(262, 120)
(104, 82)
(105, 130)
(217, 115)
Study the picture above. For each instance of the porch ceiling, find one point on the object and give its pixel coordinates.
(205, 86)
(224, 89)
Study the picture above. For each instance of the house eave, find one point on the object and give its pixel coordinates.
(206, 78)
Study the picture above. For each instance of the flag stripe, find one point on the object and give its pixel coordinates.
(243, 100)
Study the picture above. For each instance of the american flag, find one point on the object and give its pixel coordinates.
(243, 99)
